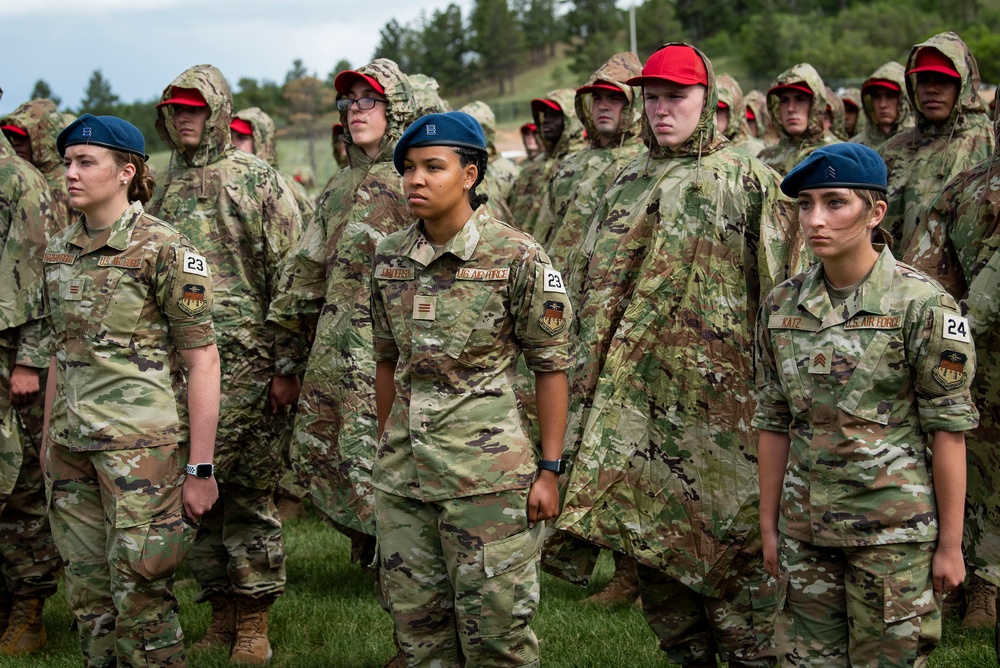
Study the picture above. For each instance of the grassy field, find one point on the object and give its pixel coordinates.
(328, 618)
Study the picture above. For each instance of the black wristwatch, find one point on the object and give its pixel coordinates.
(200, 470)
(557, 466)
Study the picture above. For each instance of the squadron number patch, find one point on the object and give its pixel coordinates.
(194, 264)
(552, 281)
(192, 301)
(956, 328)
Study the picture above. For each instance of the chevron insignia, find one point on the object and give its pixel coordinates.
(831, 172)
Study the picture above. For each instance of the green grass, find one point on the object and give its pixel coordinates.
(328, 618)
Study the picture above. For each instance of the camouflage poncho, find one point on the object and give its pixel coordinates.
(325, 291)
(870, 136)
(265, 147)
(664, 461)
(852, 98)
(526, 197)
(836, 107)
(923, 160)
(582, 178)
(237, 212)
(501, 172)
(766, 132)
(737, 131)
(957, 245)
(43, 123)
(790, 151)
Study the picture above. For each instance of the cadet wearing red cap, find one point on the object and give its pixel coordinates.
(886, 110)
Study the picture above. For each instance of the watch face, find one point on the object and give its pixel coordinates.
(204, 470)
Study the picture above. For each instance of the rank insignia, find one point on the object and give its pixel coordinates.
(552, 320)
(821, 360)
(950, 371)
(193, 301)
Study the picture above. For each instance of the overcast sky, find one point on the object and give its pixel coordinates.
(141, 45)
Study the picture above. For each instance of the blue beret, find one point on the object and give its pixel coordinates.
(837, 166)
(107, 131)
(455, 128)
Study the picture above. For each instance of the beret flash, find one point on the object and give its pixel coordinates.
(107, 131)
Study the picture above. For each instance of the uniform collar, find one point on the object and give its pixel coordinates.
(872, 297)
(116, 236)
(462, 245)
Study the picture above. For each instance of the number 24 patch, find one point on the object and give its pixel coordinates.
(194, 264)
(956, 328)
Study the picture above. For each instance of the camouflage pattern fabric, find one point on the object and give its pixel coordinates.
(528, 192)
(501, 172)
(693, 629)
(891, 617)
(118, 519)
(957, 246)
(853, 96)
(582, 177)
(836, 106)
(121, 305)
(923, 160)
(830, 376)
(659, 430)
(265, 148)
(324, 295)
(476, 562)
(43, 123)
(871, 136)
(766, 130)
(238, 212)
(790, 151)
(426, 96)
(737, 131)
(455, 321)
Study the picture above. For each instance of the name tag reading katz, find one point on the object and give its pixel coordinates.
(424, 307)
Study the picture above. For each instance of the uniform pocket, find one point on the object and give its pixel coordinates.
(124, 296)
(767, 597)
(908, 594)
(511, 588)
(876, 379)
(473, 340)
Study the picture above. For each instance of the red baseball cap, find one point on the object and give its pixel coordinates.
(800, 86)
(848, 103)
(750, 115)
(598, 85)
(539, 105)
(187, 97)
(528, 127)
(722, 105)
(241, 126)
(880, 83)
(338, 129)
(346, 79)
(678, 63)
(930, 59)
(13, 128)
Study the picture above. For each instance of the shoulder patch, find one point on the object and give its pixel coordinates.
(950, 372)
(389, 273)
(194, 264)
(552, 320)
(552, 281)
(192, 300)
(472, 274)
(955, 328)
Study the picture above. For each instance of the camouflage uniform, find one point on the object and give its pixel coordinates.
(502, 172)
(737, 131)
(30, 558)
(870, 136)
(452, 484)
(790, 151)
(43, 123)
(265, 148)
(324, 294)
(122, 304)
(957, 246)
(582, 177)
(528, 193)
(924, 159)
(836, 107)
(239, 212)
(858, 519)
(426, 96)
(664, 463)
(852, 97)
(766, 131)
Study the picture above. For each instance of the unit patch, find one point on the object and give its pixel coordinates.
(193, 301)
(552, 320)
(119, 261)
(950, 371)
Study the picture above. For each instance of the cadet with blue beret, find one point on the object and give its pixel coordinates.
(129, 296)
(461, 493)
(863, 372)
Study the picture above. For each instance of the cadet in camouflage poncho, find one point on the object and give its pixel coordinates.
(809, 133)
(835, 115)
(956, 244)
(681, 247)
(923, 160)
(854, 120)
(887, 110)
(582, 177)
(242, 216)
(29, 555)
(735, 110)
(528, 192)
(759, 120)
(264, 146)
(503, 173)
(864, 368)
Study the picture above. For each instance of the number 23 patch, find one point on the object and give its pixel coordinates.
(956, 328)
(552, 281)
(194, 264)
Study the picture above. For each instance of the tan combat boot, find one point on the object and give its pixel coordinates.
(622, 588)
(26, 631)
(251, 647)
(222, 629)
(980, 604)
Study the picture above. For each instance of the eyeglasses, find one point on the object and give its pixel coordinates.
(364, 103)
